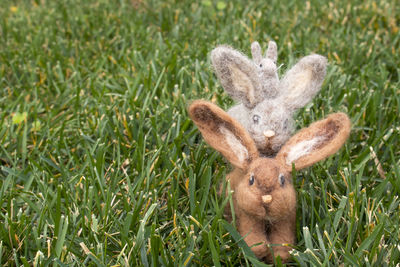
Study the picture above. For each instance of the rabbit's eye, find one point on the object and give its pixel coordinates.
(256, 119)
(260, 65)
(285, 124)
(281, 179)
(251, 180)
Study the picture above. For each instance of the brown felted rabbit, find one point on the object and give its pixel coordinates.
(264, 198)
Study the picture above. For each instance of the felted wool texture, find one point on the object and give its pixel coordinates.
(267, 70)
(303, 81)
(303, 148)
(223, 133)
(321, 139)
(274, 221)
(272, 51)
(237, 75)
(255, 85)
(273, 116)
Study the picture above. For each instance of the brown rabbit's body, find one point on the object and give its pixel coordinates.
(259, 220)
(264, 199)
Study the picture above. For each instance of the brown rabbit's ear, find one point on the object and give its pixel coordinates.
(320, 140)
(223, 133)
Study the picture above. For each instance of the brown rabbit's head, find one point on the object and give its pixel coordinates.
(265, 191)
(263, 188)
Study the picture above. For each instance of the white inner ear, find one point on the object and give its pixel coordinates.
(302, 148)
(237, 147)
(242, 83)
(299, 83)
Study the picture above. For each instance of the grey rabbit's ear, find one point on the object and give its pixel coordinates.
(272, 51)
(303, 81)
(256, 52)
(238, 75)
(269, 74)
(269, 71)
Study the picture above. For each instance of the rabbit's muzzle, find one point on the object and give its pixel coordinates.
(266, 199)
(269, 134)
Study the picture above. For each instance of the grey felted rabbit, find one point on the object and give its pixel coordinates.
(267, 104)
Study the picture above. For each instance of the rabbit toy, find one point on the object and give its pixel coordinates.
(266, 104)
(264, 198)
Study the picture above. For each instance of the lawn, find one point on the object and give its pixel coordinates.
(100, 164)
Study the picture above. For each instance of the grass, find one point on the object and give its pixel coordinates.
(101, 166)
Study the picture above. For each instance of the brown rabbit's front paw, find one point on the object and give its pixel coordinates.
(282, 252)
(260, 250)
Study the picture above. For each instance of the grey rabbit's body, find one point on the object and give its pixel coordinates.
(267, 104)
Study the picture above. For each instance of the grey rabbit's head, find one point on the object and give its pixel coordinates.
(266, 104)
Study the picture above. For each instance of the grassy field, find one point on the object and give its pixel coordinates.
(101, 166)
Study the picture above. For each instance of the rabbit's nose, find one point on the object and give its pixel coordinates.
(266, 199)
(269, 134)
